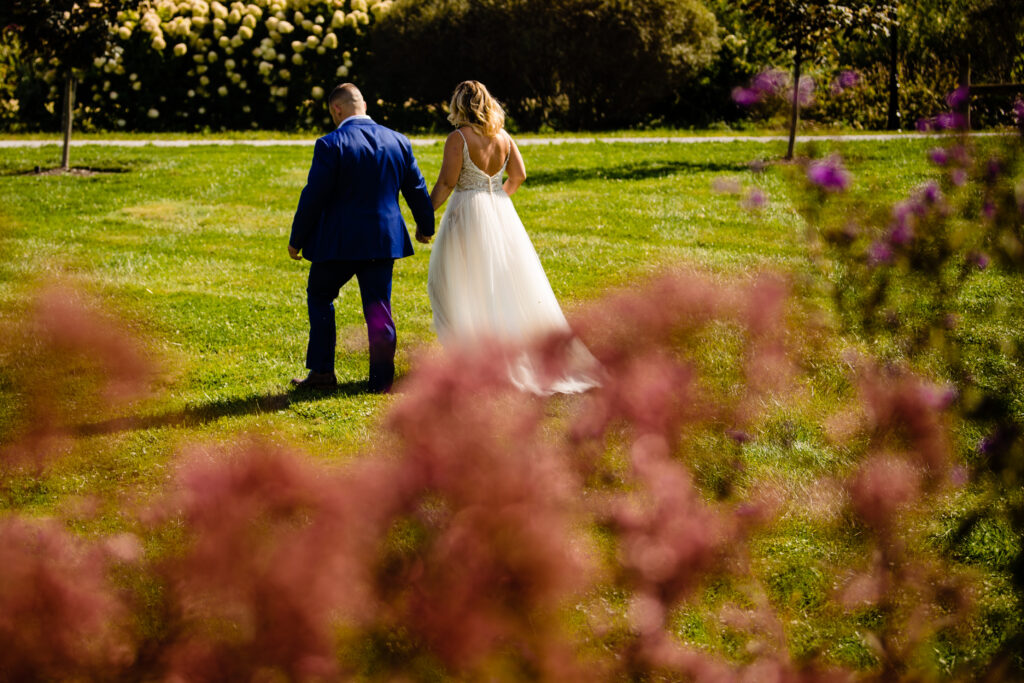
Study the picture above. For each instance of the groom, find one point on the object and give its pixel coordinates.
(349, 223)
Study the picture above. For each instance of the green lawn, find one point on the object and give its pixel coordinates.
(188, 244)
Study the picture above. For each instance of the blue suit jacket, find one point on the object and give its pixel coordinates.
(349, 208)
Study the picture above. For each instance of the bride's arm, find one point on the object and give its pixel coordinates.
(516, 169)
(451, 165)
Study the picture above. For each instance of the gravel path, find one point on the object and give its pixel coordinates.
(424, 142)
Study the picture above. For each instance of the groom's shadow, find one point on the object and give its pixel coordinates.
(196, 415)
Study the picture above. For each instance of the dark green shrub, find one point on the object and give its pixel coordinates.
(562, 63)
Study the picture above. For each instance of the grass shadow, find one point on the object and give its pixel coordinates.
(195, 415)
(634, 171)
(78, 171)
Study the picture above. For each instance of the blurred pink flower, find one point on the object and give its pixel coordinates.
(60, 617)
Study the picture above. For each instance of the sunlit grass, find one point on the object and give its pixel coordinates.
(188, 244)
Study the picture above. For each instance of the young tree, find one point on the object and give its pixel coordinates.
(70, 32)
(801, 26)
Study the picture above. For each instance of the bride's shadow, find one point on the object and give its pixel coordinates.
(195, 415)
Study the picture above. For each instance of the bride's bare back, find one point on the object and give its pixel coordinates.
(487, 153)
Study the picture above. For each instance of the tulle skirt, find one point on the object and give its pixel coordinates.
(486, 285)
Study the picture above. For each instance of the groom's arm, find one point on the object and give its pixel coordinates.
(314, 196)
(414, 189)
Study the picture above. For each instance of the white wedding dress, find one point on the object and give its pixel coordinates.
(486, 283)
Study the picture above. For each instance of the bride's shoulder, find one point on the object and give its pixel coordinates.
(457, 135)
(454, 143)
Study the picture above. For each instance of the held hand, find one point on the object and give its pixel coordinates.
(294, 253)
(421, 238)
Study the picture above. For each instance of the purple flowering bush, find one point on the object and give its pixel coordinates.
(932, 281)
(771, 91)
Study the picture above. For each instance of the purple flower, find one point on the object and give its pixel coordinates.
(958, 176)
(905, 211)
(846, 80)
(829, 174)
(930, 193)
(904, 216)
(988, 210)
(925, 125)
(770, 82)
(878, 253)
(755, 199)
(745, 97)
(958, 98)
(950, 121)
(939, 156)
(979, 260)
(940, 397)
(996, 442)
(901, 233)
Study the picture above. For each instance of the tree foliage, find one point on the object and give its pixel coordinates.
(72, 32)
(67, 34)
(566, 63)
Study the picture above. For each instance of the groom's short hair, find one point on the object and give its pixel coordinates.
(346, 93)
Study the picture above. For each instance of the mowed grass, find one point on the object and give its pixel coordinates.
(188, 246)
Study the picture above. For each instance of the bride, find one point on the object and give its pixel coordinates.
(485, 280)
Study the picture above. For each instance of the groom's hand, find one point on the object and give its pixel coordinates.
(294, 253)
(421, 238)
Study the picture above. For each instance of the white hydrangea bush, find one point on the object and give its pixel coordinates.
(259, 63)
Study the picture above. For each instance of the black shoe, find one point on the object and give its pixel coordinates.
(317, 380)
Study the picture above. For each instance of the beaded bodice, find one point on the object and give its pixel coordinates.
(472, 178)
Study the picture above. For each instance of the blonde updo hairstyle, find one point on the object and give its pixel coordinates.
(473, 106)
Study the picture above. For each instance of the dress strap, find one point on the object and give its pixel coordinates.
(464, 141)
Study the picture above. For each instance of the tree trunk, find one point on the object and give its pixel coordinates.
(68, 118)
(965, 82)
(893, 120)
(794, 118)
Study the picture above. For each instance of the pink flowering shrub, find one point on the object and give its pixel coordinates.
(60, 615)
(498, 536)
(68, 336)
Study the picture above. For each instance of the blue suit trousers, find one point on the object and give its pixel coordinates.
(326, 279)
